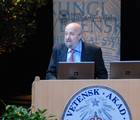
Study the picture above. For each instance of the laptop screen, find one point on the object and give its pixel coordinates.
(125, 70)
(79, 70)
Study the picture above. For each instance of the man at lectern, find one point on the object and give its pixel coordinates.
(74, 49)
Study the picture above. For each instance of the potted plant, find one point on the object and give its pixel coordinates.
(13, 112)
(17, 22)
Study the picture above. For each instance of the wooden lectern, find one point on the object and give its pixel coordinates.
(55, 94)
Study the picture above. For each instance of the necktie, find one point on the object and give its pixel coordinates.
(71, 58)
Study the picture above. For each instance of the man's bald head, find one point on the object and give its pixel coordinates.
(74, 26)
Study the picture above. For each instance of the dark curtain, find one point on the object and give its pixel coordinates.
(130, 24)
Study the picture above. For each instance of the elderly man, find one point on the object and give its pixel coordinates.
(73, 41)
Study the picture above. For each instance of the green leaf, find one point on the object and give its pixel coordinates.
(14, 112)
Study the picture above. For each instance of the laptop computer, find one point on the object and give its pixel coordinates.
(79, 70)
(125, 70)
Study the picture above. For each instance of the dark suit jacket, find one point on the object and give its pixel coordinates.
(89, 53)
